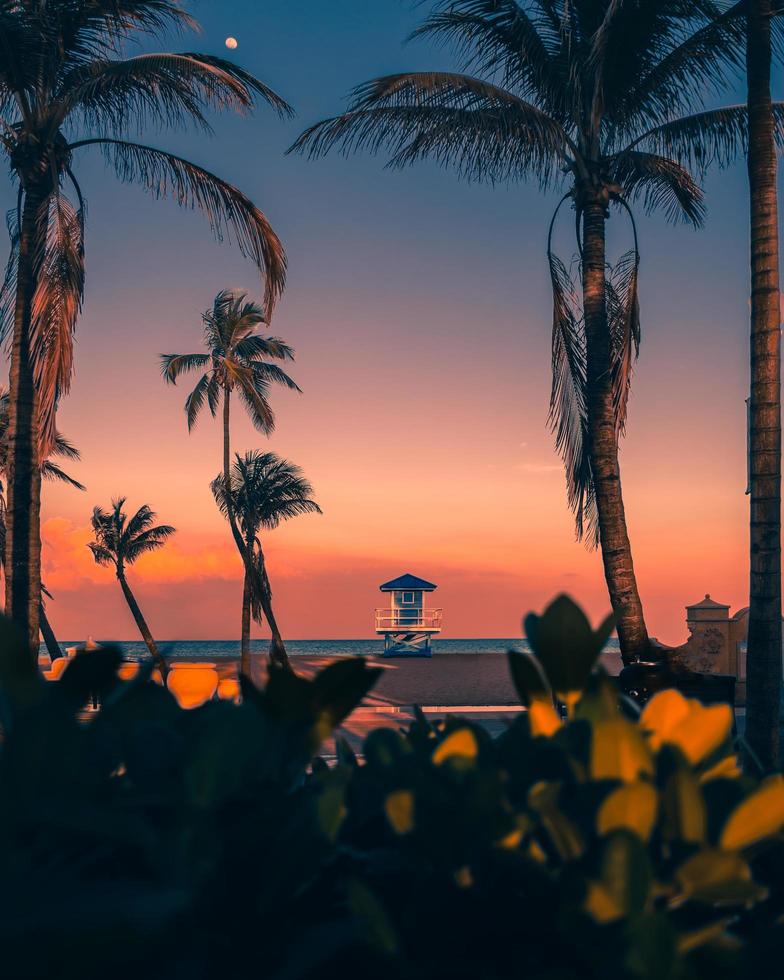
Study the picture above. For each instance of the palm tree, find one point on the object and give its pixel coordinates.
(263, 490)
(237, 359)
(585, 93)
(118, 543)
(65, 87)
(764, 641)
(50, 470)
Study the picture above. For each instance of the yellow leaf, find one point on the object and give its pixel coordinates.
(543, 718)
(705, 729)
(660, 715)
(630, 807)
(709, 868)
(619, 752)
(726, 769)
(461, 743)
(399, 808)
(759, 816)
(512, 840)
(600, 904)
(718, 878)
(696, 729)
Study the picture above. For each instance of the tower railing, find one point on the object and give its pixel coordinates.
(407, 619)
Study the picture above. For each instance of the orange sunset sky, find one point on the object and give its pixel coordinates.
(419, 309)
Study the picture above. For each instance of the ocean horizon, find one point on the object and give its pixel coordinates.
(373, 647)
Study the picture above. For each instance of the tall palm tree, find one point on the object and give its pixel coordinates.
(764, 673)
(50, 470)
(584, 93)
(66, 87)
(237, 359)
(119, 541)
(262, 491)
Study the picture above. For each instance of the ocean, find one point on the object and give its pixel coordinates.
(218, 650)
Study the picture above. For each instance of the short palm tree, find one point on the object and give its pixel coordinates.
(66, 87)
(118, 543)
(587, 94)
(263, 491)
(63, 449)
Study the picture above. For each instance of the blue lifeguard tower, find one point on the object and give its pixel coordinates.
(405, 623)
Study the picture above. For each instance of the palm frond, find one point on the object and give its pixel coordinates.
(227, 209)
(51, 471)
(261, 415)
(483, 131)
(568, 415)
(173, 365)
(56, 304)
(101, 554)
(264, 490)
(160, 89)
(623, 317)
(150, 540)
(714, 137)
(680, 78)
(195, 401)
(265, 373)
(141, 521)
(502, 39)
(661, 184)
(64, 448)
(256, 348)
(8, 289)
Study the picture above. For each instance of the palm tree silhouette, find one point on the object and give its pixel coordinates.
(118, 543)
(63, 449)
(585, 94)
(66, 86)
(237, 359)
(763, 662)
(263, 490)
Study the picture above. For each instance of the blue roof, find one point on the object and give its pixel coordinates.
(409, 582)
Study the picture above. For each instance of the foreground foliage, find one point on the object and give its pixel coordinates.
(215, 842)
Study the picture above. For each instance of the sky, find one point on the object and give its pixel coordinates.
(419, 308)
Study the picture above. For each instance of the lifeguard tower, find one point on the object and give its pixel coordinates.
(405, 623)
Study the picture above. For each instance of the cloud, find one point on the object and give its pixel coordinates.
(68, 564)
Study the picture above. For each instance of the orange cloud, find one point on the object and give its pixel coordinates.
(67, 563)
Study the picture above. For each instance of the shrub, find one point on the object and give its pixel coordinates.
(215, 843)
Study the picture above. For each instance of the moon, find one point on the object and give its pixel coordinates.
(231, 43)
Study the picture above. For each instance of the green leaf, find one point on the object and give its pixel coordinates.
(626, 872)
(565, 645)
(528, 677)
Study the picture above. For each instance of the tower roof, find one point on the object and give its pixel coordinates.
(409, 582)
(708, 603)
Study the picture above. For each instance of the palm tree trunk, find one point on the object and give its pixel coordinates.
(277, 649)
(247, 559)
(245, 667)
(603, 443)
(52, 646)
(141, 623)
(764, 671)
(23, 515)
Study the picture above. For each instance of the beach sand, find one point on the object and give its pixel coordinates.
(442, 685)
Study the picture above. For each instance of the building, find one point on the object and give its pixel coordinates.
(405, 623)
